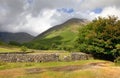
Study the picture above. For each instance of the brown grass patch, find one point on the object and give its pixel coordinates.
(11, 73)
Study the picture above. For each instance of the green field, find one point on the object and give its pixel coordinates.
(3, 49)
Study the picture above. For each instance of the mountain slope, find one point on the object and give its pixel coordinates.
(73, 21)
(58, 37)
(17, 37)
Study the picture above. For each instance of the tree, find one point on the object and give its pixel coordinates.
(100, 37)
(24, 49)
(53, 46)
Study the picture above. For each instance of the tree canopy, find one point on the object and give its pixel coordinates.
(100, 37)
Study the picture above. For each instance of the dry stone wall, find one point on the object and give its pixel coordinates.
(28, 57)
(7, 57)
(79, 56)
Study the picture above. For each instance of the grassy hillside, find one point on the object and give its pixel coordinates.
(59, 37)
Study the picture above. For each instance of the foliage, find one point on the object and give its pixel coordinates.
(1, 43)
(14, 43)
(117, 60)
(101, 36)
(24, 49)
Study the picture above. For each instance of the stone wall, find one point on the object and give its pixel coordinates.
(41, 57)
(28, 57)
(79, 56)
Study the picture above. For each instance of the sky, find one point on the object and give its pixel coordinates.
(36, 16)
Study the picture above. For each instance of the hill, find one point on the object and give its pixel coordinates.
(58, 37)
(17, 37)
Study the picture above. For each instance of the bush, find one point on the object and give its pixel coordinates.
(24, 49)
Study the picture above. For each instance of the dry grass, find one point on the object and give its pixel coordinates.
(107, 72)
(14, 73)
(97, 70)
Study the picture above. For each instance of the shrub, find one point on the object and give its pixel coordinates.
(24, 49)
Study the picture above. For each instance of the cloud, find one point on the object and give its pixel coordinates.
(40, 23)
(36, 16)
(111, 11)
(107, 11)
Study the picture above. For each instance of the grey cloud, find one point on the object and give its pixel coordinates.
(92, 4)
(13, 10)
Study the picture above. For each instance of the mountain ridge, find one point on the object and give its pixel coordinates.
(72, 20)
(17, 37)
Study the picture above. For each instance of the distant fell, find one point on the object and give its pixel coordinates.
(17, 37)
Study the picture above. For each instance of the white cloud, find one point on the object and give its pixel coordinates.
(36, 25)
(107, 11)
(111, 11)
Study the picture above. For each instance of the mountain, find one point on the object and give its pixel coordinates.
(59, 36)
(17, 37)
(73, 21)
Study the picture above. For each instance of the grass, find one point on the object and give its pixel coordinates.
(5, 49)
(4, 66)
(63, 36)
(49, 74)
(88, 73)
(18, 70)
(117, 64)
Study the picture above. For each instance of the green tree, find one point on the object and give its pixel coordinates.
(101, 36)
(24, 49)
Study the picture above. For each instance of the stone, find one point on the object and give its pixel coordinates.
(46, 57)
(67, 58)
(28, 57)
(79, 56)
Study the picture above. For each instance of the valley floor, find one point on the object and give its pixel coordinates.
(75, 69)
